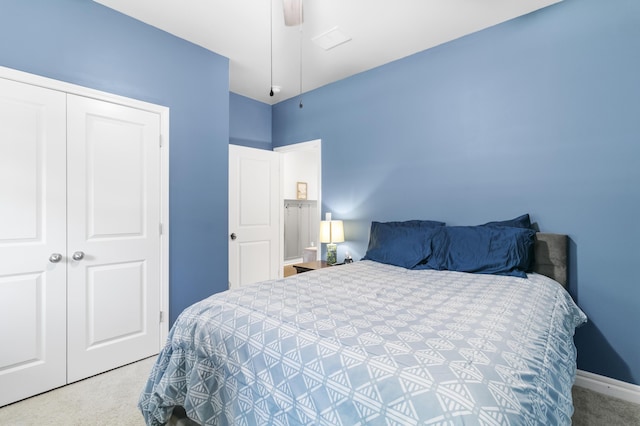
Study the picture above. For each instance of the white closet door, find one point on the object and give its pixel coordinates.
(113, 232)
(32, 229)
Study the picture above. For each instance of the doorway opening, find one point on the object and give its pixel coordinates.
(301, 183)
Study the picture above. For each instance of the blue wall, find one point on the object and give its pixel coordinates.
(249, 122)
(540, 114)
(84, 43)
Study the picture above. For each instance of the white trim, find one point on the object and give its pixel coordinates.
(608, 386)
(310, 145)
(163, 111)
(164, 218)
(61, 86)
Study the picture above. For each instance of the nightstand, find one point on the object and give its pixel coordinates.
(310, 266)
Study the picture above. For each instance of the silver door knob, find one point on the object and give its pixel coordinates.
(55, 258)
(78, 255)
(233, 236)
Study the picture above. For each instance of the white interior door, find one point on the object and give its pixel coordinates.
(113, 235)
(32, 229)
(254, 215)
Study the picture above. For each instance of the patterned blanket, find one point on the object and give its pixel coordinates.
(368, 343)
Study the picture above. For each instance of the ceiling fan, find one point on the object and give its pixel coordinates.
(292, 12)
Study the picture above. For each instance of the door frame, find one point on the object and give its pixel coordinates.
(312, 145)
(163, 112)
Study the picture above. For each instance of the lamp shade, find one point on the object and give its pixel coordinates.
(331, 231)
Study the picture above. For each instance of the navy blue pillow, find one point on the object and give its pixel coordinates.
(519, 222)
(482, 249)
(400, 243)
(414, 223)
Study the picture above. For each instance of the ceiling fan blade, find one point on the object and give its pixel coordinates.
(292, 12)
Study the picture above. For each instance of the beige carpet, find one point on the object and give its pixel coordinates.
(108, 399)
(594, 409)
(111, 399)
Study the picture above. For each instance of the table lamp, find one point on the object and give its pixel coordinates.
(331, 232)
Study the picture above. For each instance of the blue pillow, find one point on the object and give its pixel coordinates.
(414, 223)
(400, 243)
(519, 222)
(482, 249)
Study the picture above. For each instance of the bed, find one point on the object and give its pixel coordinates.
(375, 343)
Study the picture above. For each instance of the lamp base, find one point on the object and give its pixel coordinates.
(332, 254)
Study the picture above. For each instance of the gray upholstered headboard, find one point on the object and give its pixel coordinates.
(551, 256)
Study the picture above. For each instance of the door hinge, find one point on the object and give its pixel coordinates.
(160, 137)
(160, 228)
(161, 316)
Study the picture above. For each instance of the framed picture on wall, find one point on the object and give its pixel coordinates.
(301, 190)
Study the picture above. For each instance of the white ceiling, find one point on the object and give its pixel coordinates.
(381, 31)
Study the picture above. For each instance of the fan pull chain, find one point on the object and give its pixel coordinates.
(271, 41)
(300, 105)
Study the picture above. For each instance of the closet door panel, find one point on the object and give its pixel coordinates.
(113, 221)
(32, 229)
(115, 179)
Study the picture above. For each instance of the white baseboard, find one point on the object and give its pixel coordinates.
(608, 386)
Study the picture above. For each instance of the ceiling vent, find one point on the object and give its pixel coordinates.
(330, 39)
